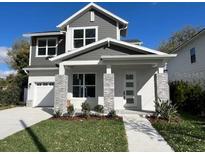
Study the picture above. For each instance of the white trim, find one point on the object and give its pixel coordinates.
(134, 57)
(30, 50)
(106, 40)
(61, 69)
(40, 68)
(117, 31)
(78, 63)
(46, 38)
(108, 69)
(42, 34)
(137, 47)
(62, 24)
(84, 38)
(92, 16)
(77, 50)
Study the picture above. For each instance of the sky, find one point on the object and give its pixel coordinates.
(149, 22)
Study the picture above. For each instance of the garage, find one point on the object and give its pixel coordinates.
(44, 94)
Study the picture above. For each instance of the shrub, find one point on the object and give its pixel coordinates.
(111, 114)
(70, 108)
(57, 113)
(10, 95)
(165, 109)
(85, 108)
(189, 97)
(99, 108)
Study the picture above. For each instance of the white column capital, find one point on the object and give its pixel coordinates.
(108, 69)
(61, 69)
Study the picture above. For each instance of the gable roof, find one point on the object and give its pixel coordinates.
(189, 40)
(87, 7)
(107, 41)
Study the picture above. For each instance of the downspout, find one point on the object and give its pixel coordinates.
(123, 28)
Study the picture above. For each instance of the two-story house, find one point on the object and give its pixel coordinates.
(85, 60)
(189, 65)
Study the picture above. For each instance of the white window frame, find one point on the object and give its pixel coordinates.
(84, 84)
(84, 38)
(46, 38)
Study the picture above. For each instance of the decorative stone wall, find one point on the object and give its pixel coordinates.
(109, 90)
(60, 94)
(162, 86)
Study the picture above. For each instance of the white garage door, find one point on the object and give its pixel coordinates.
(44, 94)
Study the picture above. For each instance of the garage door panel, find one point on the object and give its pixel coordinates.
(44, 94)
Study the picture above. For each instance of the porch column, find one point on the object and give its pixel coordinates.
(60, 93)
(109, 89)
(61, 69)
(161, 85)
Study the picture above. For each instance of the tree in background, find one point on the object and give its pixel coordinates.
(178, 38)
(18, 58)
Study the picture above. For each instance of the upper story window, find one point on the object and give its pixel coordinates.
(46, 47)
(84, 36)
(193, 55)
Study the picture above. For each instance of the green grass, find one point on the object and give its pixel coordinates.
(5, 106)
(62, 135)
(186, 135)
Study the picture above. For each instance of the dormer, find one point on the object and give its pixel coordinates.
(90, 24)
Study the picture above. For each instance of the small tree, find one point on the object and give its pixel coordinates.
(19, 59)
(178, 38)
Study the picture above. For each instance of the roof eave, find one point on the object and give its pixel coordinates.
(42, 34)
(138, 57)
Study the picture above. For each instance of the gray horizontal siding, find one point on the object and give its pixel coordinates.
(104, 50)
(43, 73)
(106, 26)
(43, 61)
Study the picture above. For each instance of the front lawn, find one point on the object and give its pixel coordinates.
(6, 106)
(188, 134)
(68, 135)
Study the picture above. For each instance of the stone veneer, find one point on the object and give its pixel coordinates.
(60, 93)
(109, 90)
(162, 86)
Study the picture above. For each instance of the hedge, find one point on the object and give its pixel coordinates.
(189, 97)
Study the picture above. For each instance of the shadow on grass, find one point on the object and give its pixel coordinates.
(35, 139)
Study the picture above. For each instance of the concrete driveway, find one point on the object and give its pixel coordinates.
(16, 119)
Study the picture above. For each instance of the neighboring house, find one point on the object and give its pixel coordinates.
(86, 61)
(189, 65)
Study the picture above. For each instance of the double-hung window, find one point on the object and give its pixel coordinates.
(84, 36)
(46, 47)
(84, 85)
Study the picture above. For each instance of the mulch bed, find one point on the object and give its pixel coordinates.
(154, 119)
(82, 117)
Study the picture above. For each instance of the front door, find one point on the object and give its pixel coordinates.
(129, 90)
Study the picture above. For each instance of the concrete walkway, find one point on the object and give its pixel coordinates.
(16, 119)
(142, 137)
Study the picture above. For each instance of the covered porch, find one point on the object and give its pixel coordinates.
(116, 82)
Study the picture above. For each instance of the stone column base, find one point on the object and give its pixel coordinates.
(109, 90)
(162, 86)
(60, 93)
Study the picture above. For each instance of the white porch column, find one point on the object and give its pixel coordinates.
(61, 69)
(108, 69)
(109, 89)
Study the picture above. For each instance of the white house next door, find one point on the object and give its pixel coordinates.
(129, 90)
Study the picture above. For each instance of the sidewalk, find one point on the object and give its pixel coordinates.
(142, 137)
